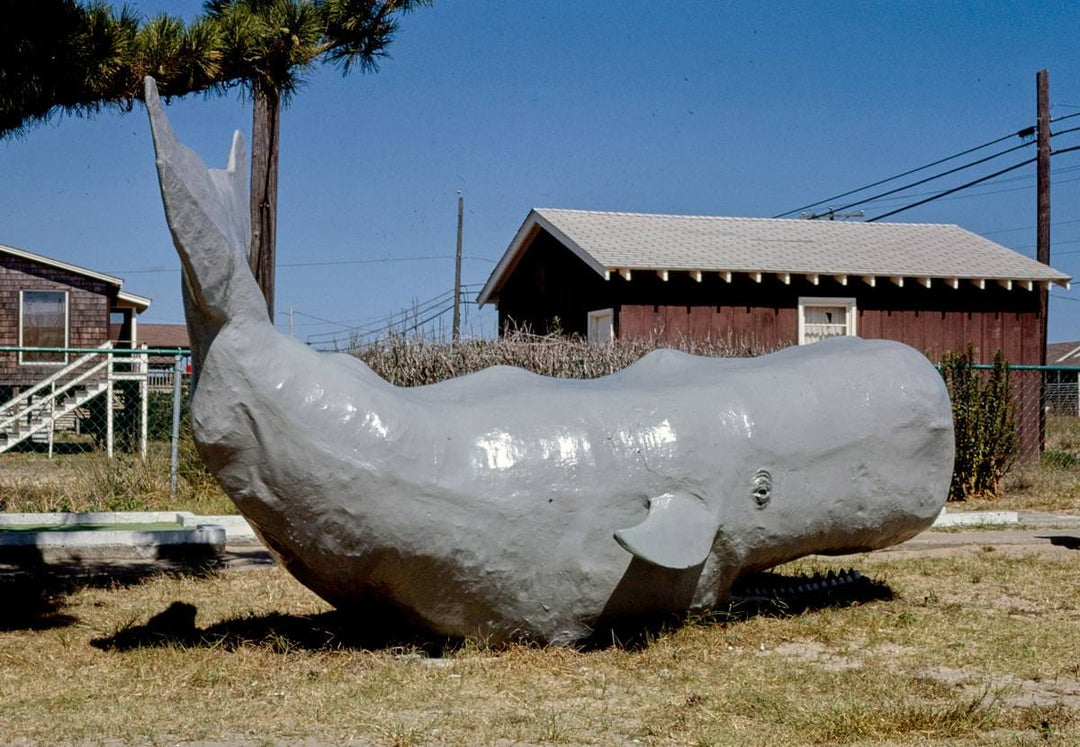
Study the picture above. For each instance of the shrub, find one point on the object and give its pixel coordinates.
(159, 410)
(986, 438)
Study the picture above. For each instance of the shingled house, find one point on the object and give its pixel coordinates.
(769, 282)
(48, 303)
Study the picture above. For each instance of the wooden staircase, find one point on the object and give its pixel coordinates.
(36, 411)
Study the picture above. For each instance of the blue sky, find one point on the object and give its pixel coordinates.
(742, 109)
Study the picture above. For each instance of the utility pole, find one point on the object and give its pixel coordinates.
(292, 322)
(1042, 231)
(1042, 87)
(456, 330)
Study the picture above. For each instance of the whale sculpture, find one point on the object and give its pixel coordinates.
(507, 505)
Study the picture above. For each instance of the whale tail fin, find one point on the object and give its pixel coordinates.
(210, 221)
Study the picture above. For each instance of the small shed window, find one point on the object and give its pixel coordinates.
(602, 325)
(43, 323)
(825, 317)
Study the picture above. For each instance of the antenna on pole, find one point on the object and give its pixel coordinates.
(456, 329)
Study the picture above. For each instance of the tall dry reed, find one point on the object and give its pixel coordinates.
(417, 361)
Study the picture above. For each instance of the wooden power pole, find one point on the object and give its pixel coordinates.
(1042, 231)
(1042, 85)
(456, 329)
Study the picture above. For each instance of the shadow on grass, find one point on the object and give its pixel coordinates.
(1066, 541)
(754, 595)
(325, 631)
(59, 447)
(175, 626)
(35, 592)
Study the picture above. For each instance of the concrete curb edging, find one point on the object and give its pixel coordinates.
(235, 527)
(948, 518)
(53, 543)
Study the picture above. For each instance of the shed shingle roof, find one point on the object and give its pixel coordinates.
(636, 241)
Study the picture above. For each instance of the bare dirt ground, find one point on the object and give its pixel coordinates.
(1048, 543)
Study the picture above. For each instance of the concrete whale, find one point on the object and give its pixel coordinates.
(508, 505)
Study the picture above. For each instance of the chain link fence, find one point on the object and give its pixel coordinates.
(63, 401)
(1046, 409)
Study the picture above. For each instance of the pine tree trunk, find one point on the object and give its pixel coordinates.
(265, 126)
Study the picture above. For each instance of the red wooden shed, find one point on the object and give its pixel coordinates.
(770, 282)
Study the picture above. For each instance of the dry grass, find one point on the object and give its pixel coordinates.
(1063, 434)
(1053, 486)
(417, 361)
(974, 649)
(1032, 488)
(91, 482)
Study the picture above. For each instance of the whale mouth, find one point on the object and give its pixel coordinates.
(791, 594)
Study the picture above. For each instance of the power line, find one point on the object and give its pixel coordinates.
(377, 261)
(355, 336)
(1013, 179)
(909, 172)
(353, 323)
(376, 324)
(983, 193)
(954, 189)
(373, 320)
(328, 263)
(934, 177)
(1060, 151)
(1023, 133)
(1056, 243)
(317, 318)
(1026, 228)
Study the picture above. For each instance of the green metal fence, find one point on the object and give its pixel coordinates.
(71, 400)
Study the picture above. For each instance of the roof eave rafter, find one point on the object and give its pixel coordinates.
(521, 241)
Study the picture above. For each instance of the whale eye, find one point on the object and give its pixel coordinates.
(762, 488)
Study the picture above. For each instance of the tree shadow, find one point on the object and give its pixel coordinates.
(1061, 540)
(324, 631)
(35, 592)
(385, 630)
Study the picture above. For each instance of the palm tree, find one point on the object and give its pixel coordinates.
(62, 56)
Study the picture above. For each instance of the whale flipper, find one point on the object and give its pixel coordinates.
(678, 532)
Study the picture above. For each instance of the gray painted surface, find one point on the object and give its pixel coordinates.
(504, 504)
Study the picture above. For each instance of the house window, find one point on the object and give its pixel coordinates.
(602, 325)
(43, 323)
(825, 317)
